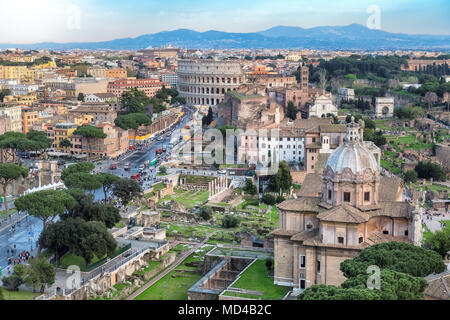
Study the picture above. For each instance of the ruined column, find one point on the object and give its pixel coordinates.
(209, 190)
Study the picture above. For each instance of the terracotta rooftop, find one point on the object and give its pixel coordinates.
(389, 188)
(301, 204)
(312, 185)
(438, 286)
(333, 128)
(345, 214)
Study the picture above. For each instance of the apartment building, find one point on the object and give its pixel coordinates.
(149, 86)
(17, 72)
(116, 73)
(30, 117)
(14, 112)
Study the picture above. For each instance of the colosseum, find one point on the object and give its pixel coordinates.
(205, 81)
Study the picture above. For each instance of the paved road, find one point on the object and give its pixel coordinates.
(169, 269)
(435, 224)
(24, 237)
(27, 232)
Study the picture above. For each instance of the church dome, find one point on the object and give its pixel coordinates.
(352, 154)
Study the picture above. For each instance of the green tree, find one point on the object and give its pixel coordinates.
(126, 190)
(89, 132)
(439, 242)
(229, 222)
(291, 111)
(350, 78)
(328, 292)
(45, 205)
(396, 256)
(54, 238)
(85, 167)
(84, 181)
(401, 276)
(12, 283)
(410, 176)
(250, 188)
(427, 170)
(4, 93)
(83, 238)
(8, 173)
(162, 170)
(269, 199)
(80, 96)
(11, 142)
(88, 210)
(134, 101)
(282, 180)
(41, 274)
(269, 263)
(65, 143)
(206, 213)
(369, 123)
(376, 137)
(132, 121)
(107, 180)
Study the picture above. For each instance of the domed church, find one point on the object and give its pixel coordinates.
(346, 209)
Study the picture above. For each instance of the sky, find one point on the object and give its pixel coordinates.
(31, 21)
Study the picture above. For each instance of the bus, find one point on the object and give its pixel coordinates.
(153, 162)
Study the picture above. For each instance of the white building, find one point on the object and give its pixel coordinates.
(15, 114)
(321, 107)
(21, 89)
(101, 98)
(288, 144)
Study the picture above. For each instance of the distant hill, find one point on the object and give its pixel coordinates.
(353, 36)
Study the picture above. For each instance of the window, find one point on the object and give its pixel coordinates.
(309, 227)
(346, 196)
(406, 232)
(302, 284)
(318, 266)
(302, 262)
(385, 232)
(366, 196)
(329, 194)
(361, 239)
(341, 240)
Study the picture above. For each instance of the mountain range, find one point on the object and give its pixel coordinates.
(351, 37)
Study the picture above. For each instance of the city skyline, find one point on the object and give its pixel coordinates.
(99, 20)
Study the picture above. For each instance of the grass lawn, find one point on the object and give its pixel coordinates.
(151, 265)
(190, 199)
(257, 278)
(162, 174)
(426, 233)
(175, 285)
(197, 179)
(199, 231)
(18, 295)
(10, 211)
(241, 295)
(119, 224)
(71, 259)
